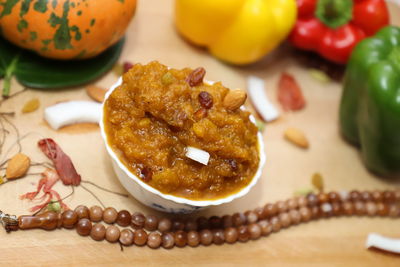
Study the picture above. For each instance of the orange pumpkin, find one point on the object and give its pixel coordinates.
(65, 29)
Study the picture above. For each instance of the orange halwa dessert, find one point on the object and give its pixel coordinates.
(157, 113)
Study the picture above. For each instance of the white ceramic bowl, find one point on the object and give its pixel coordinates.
(167, 203)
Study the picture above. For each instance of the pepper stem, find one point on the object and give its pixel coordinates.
(394, 57)
(334, 13)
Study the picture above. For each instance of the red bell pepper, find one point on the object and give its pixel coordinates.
(333, 27)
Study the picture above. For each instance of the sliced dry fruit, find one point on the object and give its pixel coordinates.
(256, 89)
(234, 99)
(318, 181)
(167, 78)
(198, 155)
(31, 105)
(95, 92)
(319, 75)
(296, 137)
(17, 166)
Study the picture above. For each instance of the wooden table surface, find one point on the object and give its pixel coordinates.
(151, 36)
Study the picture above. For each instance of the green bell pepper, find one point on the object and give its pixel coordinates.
(370, 104)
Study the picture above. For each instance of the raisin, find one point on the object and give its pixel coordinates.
(205, 100)
(233, 164)
(196, 77)
(200, 114)
(147, 174)
(127, 66)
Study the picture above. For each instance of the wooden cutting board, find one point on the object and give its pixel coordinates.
(152, 36)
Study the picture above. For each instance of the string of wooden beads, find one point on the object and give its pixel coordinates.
(250, 225)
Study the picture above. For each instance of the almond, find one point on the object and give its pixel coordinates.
(96, 93)
(17, 166)
(31, 105)
(234, 99)
(297, 137)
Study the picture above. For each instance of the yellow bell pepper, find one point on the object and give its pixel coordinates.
(236, 31)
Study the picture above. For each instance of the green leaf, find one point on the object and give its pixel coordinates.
(34, 71)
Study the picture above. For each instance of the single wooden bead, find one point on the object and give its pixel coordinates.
(218, 236)
(180, 238)
(266, 227)
(243, 233)
(126, 237)
(305, 214)
(164, 225)
(168, 240)
(326, 209)
(382, 209)
(348, 208)
(371, 208)
(292, 203)
(394, 210)
(396, 195)
(238, 219)
(231, 235)
(254, 230)
(336, 208)
(276, 224)
(312, 200)
(333, 197)
(377, 196)
(284, 218)
(193, 238)
(151, 223)
(227, 221)
(138, 220)
(270, 210)
(354, 195)
(154, 240)
(96, 214)
(359, 207)
(295, 216)
(344, 195)
(190, 225)
(69, 218)
(82, 211)
(282, 206)
(140, 238)
(322, 198)
(83, 227)
(98, 232)
(315, 212)
(251, 217)
(110, 215)
(112, 233)
(260, 213)
(178, 224)
(206, 237)
(124, 218)
(366, 196)
(302, 200)
(215, 222)
(388, 196)
(202, 223)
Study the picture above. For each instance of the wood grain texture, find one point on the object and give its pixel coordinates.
(151, 36)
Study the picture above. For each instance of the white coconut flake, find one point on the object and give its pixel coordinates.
(256, 89)
(71, 112)
(198, 155)
(381, 242)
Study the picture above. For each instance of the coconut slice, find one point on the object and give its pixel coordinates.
(382, 242)
(198, 155)
(256, 89)
(71, 112)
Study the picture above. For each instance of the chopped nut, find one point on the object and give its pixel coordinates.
(167, 78)
(17, 166)
(96, 93)
(297, 137)
(234, 99)
(318, 182)
(200, 114)
(31, 105)
(196, 77)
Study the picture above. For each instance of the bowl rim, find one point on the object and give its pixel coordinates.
(181, 200)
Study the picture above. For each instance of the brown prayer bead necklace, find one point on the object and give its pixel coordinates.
(154, 232)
